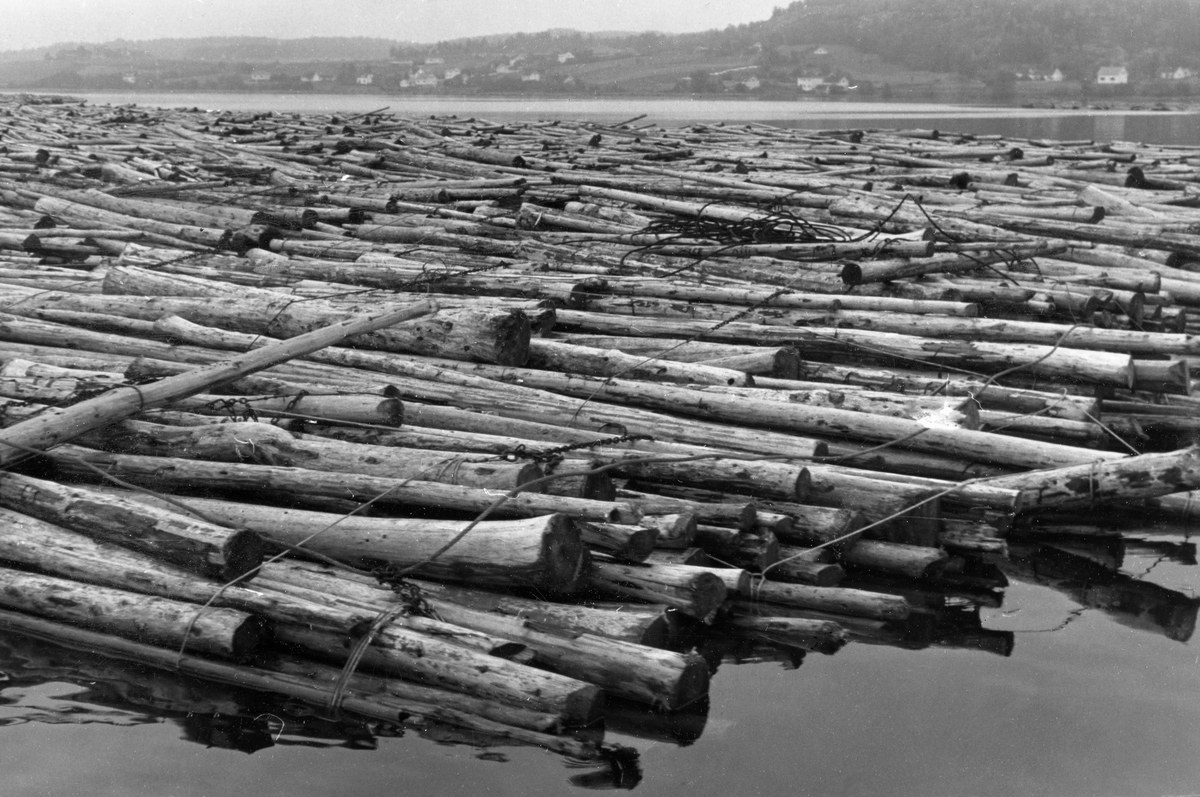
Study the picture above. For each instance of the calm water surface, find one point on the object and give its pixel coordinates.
(1100, 695)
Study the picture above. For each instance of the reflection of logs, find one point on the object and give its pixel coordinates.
(1137, 604)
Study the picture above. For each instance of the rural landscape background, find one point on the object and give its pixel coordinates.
(1008, 51)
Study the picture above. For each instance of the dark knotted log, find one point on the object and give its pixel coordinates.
(1131, 478)
(197, 545)
(225, 633)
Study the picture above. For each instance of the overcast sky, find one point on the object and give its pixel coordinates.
(35, 23)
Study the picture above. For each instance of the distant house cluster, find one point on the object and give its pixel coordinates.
(1036, 74)
(822, 83)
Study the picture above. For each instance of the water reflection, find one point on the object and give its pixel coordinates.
(1087, 572)
(44, 683)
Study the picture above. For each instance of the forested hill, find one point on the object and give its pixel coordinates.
(975, 37)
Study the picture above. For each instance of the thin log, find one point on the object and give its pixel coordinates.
(59, 425)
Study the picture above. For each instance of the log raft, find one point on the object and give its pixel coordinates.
(583, 404)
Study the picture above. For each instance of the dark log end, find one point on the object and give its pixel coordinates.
(852, 272)
(692, 685)
(243, 552)
(585, 706)
(250, 637)
(564, 555)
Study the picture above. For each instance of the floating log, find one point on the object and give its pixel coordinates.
(1144, 476)
(197, 545)
(225, 633)
(693, 591)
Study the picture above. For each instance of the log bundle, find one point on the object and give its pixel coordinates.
(497, 417)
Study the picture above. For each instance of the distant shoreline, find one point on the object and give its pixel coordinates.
(669, 106)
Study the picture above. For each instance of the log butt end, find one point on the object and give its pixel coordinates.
(250, 637)
(564, 557)
(242, 553)
(692, 684)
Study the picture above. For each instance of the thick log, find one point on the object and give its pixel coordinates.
(196, 545)
(1131, 478)
(309, 682)
(820, 635)
(626, 543)
(693, 591)
(665, 679)
(834, 600)
(643, 624)
(225, 633)
(439, 664)
(489, 336)
(625, 669)
(674, 531)
(911, 561)
(543, 552)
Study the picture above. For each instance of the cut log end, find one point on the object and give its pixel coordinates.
(243, 554)
(564, 557)
(250, 637)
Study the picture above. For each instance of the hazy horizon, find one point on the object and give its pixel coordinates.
(29, 25)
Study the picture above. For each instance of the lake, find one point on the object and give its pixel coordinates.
(1180, 126)
(1099, 693)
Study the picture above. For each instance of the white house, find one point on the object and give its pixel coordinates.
(809, 83)
(423, 79)
(260, 76)
(504, 69)
(752, 83)
(129, 77)
(434, 61)
(452, 73)
(532, 77)
(365, 80)
(564, 57)
(1056, 76)
(1112, 75)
